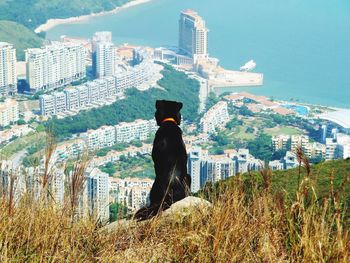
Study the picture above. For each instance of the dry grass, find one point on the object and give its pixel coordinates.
(248, 223)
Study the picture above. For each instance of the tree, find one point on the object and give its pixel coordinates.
(21, 122)
(117, 211)
(279, 154)
(261, 147)
(212, 99)
(249, 130)
(245, 111)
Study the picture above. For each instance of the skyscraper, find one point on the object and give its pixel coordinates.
(105, 59)
(99, 37)
(193, 35)
(98, 194)
(8, 77)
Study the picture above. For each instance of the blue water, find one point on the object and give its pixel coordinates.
(301, 110)
(302, 47)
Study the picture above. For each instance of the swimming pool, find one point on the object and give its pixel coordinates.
(301, 110)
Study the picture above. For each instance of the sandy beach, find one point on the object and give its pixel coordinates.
(54, 22)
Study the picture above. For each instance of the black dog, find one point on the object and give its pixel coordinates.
(169, 155)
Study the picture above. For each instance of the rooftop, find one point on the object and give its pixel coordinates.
(5, 44)
(340, 117)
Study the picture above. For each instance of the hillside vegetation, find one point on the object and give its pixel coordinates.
(26, 15)
(250, 221)
(18, 35)
(32, 13)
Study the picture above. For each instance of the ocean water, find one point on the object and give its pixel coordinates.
(302, 47)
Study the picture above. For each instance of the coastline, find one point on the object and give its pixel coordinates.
(51, 23)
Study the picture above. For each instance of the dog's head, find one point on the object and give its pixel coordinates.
(168, 109)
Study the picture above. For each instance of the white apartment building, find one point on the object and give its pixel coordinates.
(60, 102)
(107, 136)
(245, 162)
(105, 59)
(102, 36)
(299, 141)
(55, 65)
(280, 142)
(102, 88)
(215, 118)
(111, 86)
(312, 150)
(57, 185)
(9, 112)
(83, 96)
(28, 181)
(290, 160)
(193, 35)
(47, 105)
(100, 138)
(331, 146)
(98, 194)
(77, 98)
(196, 156)
(70, 149)
(94, 91)
(137, 130)
(131, 192)
(72, 98)
(343, 149)
(205, 168)
(8, 75)
(133, 77)
(217, 168)
(276, 165)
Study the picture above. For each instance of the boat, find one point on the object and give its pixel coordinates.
(250, 65)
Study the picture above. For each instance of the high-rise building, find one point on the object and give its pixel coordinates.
(98, 194)
(8, 77)
(193, 35)
(105, 59)
(217, 168)
(99, 37)
(55, 65)
(194, 168)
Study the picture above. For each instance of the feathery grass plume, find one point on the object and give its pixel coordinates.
(300, 156)
(76, 183)
(266, 175)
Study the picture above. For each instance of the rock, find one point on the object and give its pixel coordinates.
(187, 205)
(177, 212)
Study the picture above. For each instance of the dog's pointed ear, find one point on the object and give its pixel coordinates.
(159, 104)
(179, 105)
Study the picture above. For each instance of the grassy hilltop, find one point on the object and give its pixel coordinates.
(255, 218)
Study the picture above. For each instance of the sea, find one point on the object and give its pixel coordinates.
(301, 47)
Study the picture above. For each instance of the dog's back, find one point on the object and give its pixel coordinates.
(170, 163)
(172, 183)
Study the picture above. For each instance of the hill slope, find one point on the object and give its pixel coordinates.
(20, 36)
(32, 13)
(248, 222)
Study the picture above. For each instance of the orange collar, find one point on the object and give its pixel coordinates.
(169, 119)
